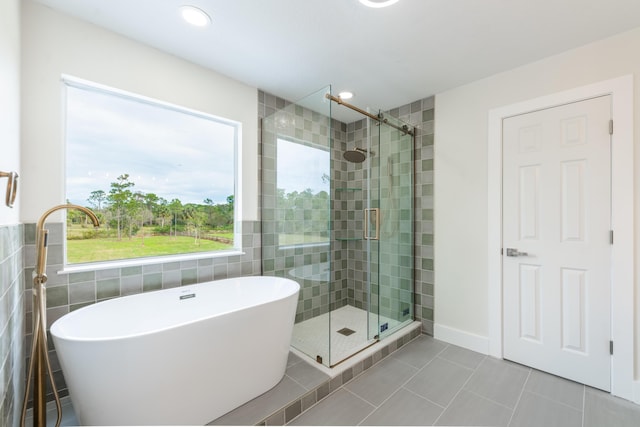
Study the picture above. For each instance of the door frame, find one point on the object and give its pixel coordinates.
(622, 210)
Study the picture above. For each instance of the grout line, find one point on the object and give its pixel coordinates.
(439, 356)
(542, 396)
(513, 412)
(460, 390)
(418, 370)
(307, 390)
(375, 408)
(423, 398)
(491, 400)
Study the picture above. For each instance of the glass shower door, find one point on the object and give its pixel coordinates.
(393, 179)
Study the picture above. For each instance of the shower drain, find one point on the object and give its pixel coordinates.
(346, 331)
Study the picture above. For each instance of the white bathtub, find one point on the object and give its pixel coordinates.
(178, 356)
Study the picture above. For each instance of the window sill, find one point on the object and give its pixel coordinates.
(106, 265)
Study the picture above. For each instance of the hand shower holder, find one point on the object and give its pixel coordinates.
(12, 187)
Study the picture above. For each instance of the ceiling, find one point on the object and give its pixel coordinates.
(387, 57)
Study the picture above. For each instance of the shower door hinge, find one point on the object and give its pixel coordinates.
(611, 348)
(611, 237)
(611, 127)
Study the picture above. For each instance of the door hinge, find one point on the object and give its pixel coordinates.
(611, 347)
(611, 127)
(611, 237)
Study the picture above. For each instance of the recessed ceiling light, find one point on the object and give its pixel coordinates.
(345, 95)
(195, 16)
(378, 3)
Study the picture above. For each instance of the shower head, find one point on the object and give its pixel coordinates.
(357, 155)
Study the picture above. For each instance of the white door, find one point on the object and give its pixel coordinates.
(556, 240)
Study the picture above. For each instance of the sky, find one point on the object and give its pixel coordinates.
(301, 167)
(172, 153)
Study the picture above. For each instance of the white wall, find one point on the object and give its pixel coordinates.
(55, 44)
(461, 288)
(9, 103)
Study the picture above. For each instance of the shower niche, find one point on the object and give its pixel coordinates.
(337, 217)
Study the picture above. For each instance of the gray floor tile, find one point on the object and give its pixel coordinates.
(462, 356)
(534, 410)
(264, 405)
(293, 359)
(602, 409)
(404, 408)
(439, 381)
(555, 388)
(340, 408)
(381, 381)
(498, 380)
(420, 351)
(306, 375)
(469, 409)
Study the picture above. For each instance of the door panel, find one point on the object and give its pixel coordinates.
(556, 220)
(530, 302)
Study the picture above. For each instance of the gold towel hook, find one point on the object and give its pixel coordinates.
(12, 187)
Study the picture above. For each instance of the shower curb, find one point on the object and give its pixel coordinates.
(292, 410)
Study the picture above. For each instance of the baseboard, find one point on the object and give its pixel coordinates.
(461, 338)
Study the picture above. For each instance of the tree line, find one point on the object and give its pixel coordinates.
(124, 211)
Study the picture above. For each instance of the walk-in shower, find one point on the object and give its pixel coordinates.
(337, 217)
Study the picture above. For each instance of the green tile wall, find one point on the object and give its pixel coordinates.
(12, 324)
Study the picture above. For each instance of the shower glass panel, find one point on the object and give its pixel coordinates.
(337, 218)
(296, 212)
(391, 248)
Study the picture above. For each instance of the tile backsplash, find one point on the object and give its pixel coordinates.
(12, 325)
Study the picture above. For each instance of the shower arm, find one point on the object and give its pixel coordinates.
(39, 362)
(379, 119)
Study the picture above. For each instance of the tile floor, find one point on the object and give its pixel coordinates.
(429, 382)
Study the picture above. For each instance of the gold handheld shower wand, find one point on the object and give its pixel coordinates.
(39, 364)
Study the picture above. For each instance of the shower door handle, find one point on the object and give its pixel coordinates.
(367, 215)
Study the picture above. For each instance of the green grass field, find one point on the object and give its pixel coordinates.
(105, 249)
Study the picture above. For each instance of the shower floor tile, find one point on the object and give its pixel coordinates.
(312, 336)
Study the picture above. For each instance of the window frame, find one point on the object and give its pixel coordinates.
(78, 83)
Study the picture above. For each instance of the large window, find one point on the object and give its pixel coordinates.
(161, 178)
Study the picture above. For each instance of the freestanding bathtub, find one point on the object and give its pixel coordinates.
(177, 356)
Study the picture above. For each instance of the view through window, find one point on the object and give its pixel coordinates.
(160, 178)
(303, 187)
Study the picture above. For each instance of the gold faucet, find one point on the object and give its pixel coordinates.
(42, 235)
(39, 361)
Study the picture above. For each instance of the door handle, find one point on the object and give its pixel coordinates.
(514, 252)
(367, 213)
